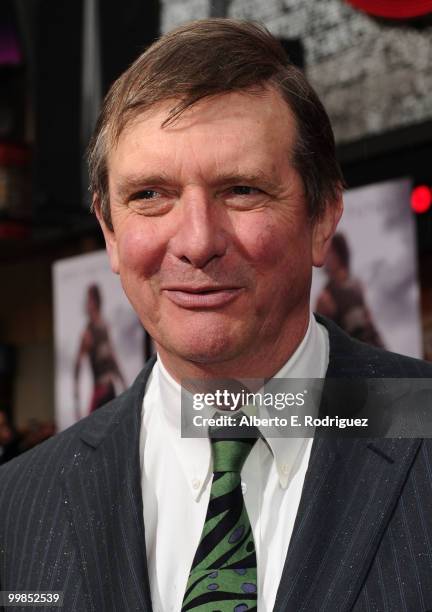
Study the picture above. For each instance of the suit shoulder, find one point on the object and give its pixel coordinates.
(60, 452)
(52, 457)
(351, 358)
(385, 363)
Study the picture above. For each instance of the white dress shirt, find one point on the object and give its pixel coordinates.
(176, 481)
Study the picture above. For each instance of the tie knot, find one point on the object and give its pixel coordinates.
(229, 455)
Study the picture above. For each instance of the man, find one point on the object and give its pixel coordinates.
(342, 299)
(217, 189)
(95, 343)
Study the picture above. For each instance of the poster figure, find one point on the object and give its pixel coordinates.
(369, 284)
(100, 345)
(96, 345)
(343, 297)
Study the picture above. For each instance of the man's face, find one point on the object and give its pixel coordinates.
(211, 234)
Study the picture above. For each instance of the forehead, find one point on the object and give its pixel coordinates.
(237, 124)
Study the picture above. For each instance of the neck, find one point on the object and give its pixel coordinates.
(259, 364)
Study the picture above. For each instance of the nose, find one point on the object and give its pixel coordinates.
(200, 236)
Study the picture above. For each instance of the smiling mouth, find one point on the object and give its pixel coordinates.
(202, 298)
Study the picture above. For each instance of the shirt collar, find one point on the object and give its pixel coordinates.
(193, 454)
(309, 360)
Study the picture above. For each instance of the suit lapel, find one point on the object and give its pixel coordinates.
(350, 490)
(104, 499)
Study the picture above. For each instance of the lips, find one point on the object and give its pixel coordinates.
(202, 297)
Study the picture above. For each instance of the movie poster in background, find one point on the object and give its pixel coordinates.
(96, 328)
(380, 297)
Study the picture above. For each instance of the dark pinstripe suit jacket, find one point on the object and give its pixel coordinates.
(71, 516)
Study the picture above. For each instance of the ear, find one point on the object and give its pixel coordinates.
(109, 235)
(323, 230)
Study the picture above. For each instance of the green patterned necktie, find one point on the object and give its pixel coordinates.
(223, 577)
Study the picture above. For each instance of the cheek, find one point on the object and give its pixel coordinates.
(280, 254)
(140, 251)
(269, 244)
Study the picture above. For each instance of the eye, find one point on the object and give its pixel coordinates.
(145, 194)
(245, 190)
(245, 197)
(150, 202)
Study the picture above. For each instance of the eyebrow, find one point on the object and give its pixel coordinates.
(257, 177)
(135, 182)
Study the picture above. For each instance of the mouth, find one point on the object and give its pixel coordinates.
(202, 297)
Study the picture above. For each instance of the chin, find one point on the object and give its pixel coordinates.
(205, 348)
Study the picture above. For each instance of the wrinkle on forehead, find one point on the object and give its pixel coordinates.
(203, 111)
